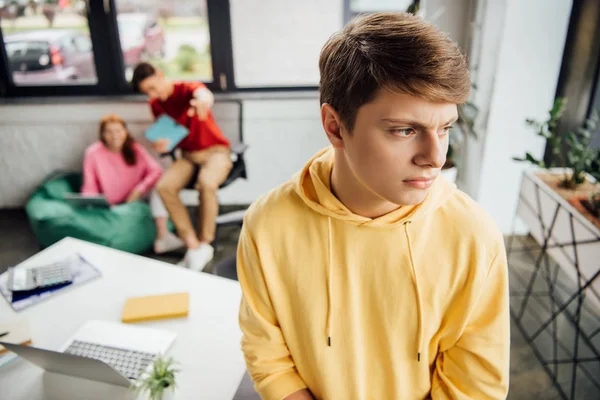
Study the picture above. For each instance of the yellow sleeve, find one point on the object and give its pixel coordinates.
(267, 356)
(477, 366)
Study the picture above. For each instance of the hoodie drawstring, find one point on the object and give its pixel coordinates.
(329, 282)
(417, 291)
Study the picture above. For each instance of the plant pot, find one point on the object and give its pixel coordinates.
(168, 394)
(585, 207)
(450, 174)
(571, 239)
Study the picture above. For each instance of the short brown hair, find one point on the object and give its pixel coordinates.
(398, 51)
(140, 73)
(128, 151)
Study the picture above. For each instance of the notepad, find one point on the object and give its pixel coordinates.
(174, 305)
(166, 127)
(18, 332)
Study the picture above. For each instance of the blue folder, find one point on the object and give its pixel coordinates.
(166, 127)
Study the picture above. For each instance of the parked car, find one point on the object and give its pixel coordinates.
(50, 57)
(17, 7)
(141, 36)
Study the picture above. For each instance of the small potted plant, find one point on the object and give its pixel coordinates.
(159, 383)
(572, 175)
(573, 155)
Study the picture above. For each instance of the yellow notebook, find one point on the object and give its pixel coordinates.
(174, 305)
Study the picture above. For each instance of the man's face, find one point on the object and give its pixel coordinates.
(398, 145)
(156, 86)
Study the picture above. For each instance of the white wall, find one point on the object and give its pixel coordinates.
(529, 59)
(277, 42)
(280, 44)
(37, 140)
(451, 16)
(483, 62)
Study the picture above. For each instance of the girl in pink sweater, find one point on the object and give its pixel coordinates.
(123, 171)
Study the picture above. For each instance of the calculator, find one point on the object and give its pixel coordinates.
(28, 279)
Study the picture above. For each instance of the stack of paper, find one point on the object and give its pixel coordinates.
(82, 272)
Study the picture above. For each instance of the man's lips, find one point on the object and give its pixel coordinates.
(420, 182)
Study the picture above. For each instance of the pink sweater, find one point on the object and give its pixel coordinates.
(107, 173)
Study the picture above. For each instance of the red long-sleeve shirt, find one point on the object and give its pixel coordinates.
(202, 134)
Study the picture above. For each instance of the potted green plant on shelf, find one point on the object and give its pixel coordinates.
(573, 172)
(159, 383)
(572, 151)
(552, 199)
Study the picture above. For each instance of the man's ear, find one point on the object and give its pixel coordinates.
(332, 125)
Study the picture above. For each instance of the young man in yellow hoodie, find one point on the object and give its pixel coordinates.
(369, 276)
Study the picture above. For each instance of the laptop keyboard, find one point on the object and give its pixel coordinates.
(128, 363)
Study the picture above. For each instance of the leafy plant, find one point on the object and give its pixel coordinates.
(414, 7)
(187, 57)
(463, 127)
(159, 380)
(571, 150)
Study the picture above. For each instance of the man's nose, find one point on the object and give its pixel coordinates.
(432, 152)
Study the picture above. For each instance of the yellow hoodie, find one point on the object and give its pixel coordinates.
(410, 305)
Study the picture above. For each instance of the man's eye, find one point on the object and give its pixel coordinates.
(403, 132)
(447, 129)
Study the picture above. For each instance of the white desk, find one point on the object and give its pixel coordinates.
(207, 347)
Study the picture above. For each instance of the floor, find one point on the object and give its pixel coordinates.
(528, 378)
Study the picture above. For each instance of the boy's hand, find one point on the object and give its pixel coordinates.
(200, 108)
(161, 145)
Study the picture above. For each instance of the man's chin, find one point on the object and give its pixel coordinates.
(411, 199)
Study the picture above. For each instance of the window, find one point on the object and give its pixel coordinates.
(171, 35)
(276, 43)
(90, 47)
(39, 39)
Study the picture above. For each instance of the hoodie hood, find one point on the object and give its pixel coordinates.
(313, 185)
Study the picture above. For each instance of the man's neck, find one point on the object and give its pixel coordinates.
(171, 88)
(353, 194)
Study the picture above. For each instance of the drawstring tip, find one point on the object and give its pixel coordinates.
(329, 341)
(418, 357)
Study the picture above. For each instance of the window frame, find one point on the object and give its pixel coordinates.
(108, 58)
(101, 60)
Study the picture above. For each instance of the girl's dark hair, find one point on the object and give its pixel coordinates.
(128, 151)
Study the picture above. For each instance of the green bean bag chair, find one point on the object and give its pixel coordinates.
(128, 227)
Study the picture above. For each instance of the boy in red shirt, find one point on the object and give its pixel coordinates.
(189, 103)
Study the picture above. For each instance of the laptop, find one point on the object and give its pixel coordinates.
(103, 351)
(86, 201)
